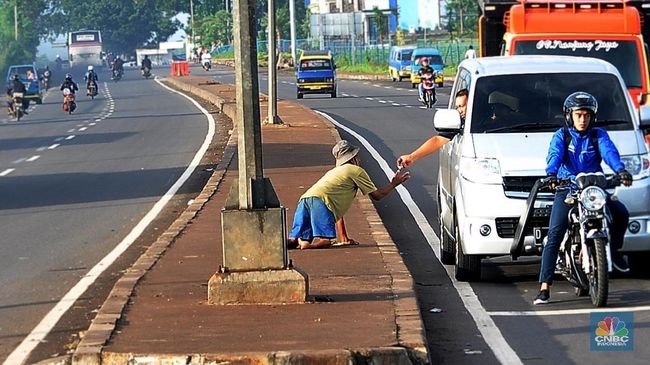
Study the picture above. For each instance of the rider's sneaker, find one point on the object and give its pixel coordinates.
(420, 99)
(619, 262)
(542, 298)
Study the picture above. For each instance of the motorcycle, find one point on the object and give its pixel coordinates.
(207, 65)
(428, 88)
(17, 105)
(117, 75)
(584, 257)
(92, 90)
(146, 72)
(69, 104)
(46, 81)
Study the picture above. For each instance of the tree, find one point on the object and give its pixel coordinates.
(463, 16)
(215, 29)
(125, 25)
(30, 27)
(381, 23)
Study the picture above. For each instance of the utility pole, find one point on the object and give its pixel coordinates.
(292, 24)
(273, 117)
(192, 21)
(16, 19)
(255, 267)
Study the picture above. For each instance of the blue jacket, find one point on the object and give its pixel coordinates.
(582, 156)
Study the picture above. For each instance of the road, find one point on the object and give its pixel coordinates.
(492, 321)
(72, 187)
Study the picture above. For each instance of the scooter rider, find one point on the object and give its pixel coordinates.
(68, 83)
(146, 63)
(16, 86)
(91, 77)
(206, 59)
(425, 69)
(118, 65)
(587, 148)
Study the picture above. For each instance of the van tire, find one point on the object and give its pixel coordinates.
(413, 85)
(390, 73)
(299, 95)
(468, 267)
(334, 93)
(441, 84)
(447, 251)
(39, 101)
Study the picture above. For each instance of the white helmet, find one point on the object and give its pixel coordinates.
(90, 67)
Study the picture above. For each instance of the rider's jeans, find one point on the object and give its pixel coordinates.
(421, 90)
(559, 223)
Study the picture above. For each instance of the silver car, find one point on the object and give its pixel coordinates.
(488, 169)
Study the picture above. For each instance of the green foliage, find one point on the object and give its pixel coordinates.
(125, 25)
(30, 26)
(216, 28)
(462, 17)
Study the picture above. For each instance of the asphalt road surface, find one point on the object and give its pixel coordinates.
(72, 187)
(489, 322)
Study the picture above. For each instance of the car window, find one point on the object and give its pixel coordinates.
(463, 81)
(21, 71)
(314, 65)
(533, 102)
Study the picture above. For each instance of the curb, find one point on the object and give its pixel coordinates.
(410, 349)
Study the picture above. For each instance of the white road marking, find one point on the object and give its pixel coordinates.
(396, 104)
(354, 96)
(53, 146)
(382, 101)
(344, 94)
(20, 160)
(371, 99)
(41, 149)
(92, 124)
(33, 158)
(71, 130)
(58, 139)
(489, 330)
(566, 312)
(69, 137)
(82, 129)
(7, 172)
(38, 334)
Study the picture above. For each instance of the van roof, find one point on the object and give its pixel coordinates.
(426, 50)
(315, 54)
(400, 48)
(522, 64)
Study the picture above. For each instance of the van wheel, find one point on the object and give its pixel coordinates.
(447, 252)
(468, 267)
(440, 84)
(390, 73)
(334, 93)
(413, 85)
(39, 101)
(299, 95)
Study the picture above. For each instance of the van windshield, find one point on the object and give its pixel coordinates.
(622, 54)
(406, 56)
(315, 65)
(533, 102)
(433, 60)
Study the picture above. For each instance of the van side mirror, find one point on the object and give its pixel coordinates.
(447, 120)
(644, 118)
(643, 98)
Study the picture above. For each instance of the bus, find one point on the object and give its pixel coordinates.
(85, 48)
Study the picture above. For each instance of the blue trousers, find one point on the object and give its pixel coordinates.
(559, 223)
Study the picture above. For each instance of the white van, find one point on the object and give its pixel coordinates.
(488, 169)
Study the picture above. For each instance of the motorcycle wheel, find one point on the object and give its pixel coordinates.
(599, 276)
(18, 113)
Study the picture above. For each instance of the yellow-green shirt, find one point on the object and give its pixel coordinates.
(338, 187)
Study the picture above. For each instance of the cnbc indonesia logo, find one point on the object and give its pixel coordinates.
(612, 333)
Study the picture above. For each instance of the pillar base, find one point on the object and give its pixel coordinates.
(286, 286)
(276, 120)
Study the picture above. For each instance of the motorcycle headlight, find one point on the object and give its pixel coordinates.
(638, 166)
(593, 198)
(481, 170)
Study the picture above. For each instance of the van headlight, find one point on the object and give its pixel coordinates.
(593, 198)
(638, 166)
(329, 79)
(481, 170)
(300, 81)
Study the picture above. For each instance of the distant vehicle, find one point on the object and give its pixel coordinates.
(85, 48)
(435, 61)
(33, 86)
(316, 74)
(399, 62)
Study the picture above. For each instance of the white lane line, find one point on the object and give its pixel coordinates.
(43, 328)
(82, 129)
(382, 101)
(33, 158)
(58, 139)
(71, 130)
(7, 172)
(69, 137)
(423, 107)
(53, 146)
(371, 99)
(92, 124)
(396, 104)
(354, 96)
(566, 312)
(408, 106)
(344, 94)
(375, 85)
(41, 149)
(20, 160)
(489, 330)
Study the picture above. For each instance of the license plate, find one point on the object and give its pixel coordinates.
(539, 233)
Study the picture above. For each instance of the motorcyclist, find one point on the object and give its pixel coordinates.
(59, 62)
(206, 59)
(146, 63)
(587, 148)
(16, 86)
(425, 69)
(47, 74)
(91, 77)
(68, 83)
(118, 65)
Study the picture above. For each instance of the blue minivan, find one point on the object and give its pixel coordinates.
(29, 76)
(435, 61)
(399, 62)
(316, 74)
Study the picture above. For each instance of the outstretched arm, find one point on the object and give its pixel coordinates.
(383, 191)
(430, 146)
